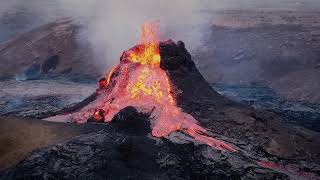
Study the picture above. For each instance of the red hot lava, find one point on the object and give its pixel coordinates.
(139, 81)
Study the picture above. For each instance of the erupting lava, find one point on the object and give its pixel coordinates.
(139, 81)
(147, 53)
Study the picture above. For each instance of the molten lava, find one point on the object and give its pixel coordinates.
(147, 53)
(139, 81)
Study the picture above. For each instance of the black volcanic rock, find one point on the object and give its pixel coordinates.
(174, 56)
(132, 122)
(125, 149)
(43, 98)
(116, 154)
(185, 76)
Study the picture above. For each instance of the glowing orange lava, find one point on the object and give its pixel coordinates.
(139, 81)
(109, 76)
(148, 52)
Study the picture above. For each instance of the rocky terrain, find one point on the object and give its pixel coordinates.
(41, 98)
(20, 136)
(266, 147)
(277, 48)
(117, 153)
(50, 49)
(266, 99)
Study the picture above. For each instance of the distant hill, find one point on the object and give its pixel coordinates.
(51, 48)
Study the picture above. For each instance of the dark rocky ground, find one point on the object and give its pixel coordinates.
(20, 136)
(264, 98)
(41, 98)
(121, 152)
(126, 150)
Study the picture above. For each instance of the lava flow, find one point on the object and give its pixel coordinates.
(139, 81)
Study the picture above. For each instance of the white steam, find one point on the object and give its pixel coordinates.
(114, 26)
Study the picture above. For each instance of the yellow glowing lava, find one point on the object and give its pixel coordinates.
(148, 51)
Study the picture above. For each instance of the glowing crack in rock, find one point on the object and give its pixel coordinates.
(139, 81)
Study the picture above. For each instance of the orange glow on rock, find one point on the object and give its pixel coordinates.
(103, 83)
(110, 75)
(99, 115)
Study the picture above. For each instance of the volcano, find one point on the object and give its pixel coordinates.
(139, 81)
(164, 121)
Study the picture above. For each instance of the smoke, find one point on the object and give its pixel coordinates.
(108, 26)
(114, 26)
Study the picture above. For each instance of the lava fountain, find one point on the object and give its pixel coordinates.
(139, 81)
